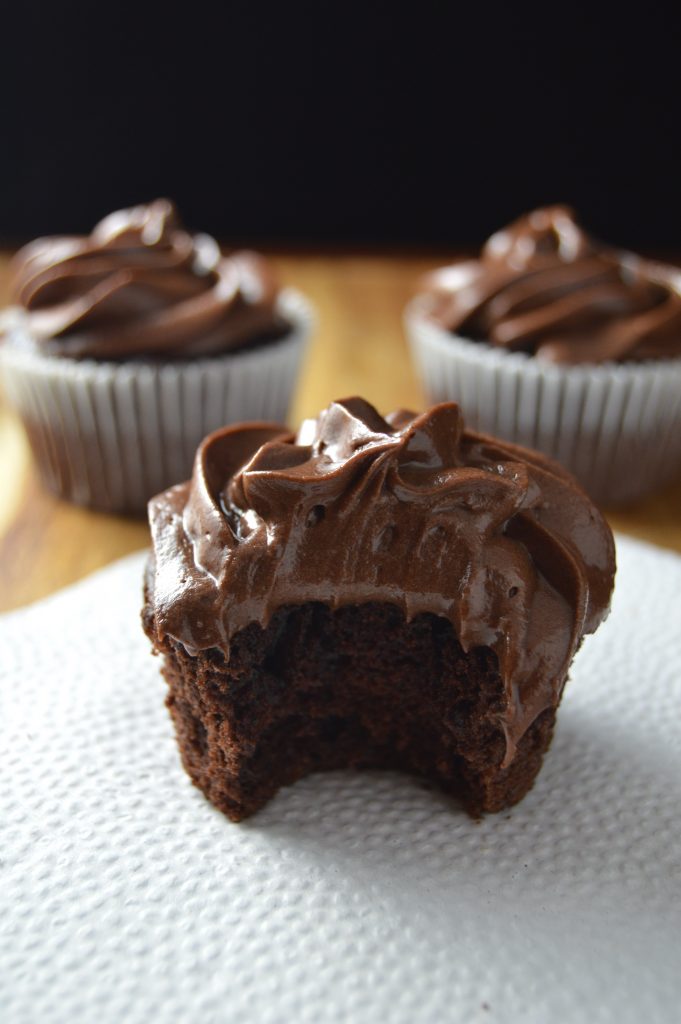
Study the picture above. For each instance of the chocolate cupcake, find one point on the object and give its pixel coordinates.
(126, 347)
(555, 341)
(371, 593)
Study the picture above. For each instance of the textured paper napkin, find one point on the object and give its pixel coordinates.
(125, 897)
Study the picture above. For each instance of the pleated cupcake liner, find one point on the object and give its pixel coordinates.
(617, 427)
(111, 435)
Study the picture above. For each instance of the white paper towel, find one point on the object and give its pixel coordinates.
(124, 896)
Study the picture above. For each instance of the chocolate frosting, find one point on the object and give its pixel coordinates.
(140, 286)
(545, 287)
(412, 510)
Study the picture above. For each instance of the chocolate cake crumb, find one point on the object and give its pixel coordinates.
(358, 687)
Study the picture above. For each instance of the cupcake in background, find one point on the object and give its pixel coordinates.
(124, 348)
(557, 342)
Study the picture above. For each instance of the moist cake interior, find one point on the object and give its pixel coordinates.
(358, 687)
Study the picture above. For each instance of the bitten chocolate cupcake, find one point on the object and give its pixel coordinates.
(553, 340)
(371, 593)
(124, 348)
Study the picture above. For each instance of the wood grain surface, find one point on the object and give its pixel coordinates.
(358, 348)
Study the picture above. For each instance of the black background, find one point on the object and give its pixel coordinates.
(431, 124)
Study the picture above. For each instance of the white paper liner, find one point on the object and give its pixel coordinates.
(616, 427)
(111, 435)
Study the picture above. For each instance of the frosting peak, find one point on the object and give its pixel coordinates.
(544, 286)
(140, 286)
(413, 510)
(549, 233)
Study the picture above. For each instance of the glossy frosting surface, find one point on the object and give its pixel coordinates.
(140, 286)
(544, 287)
(412, 510)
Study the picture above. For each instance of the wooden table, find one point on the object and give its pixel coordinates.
(359, 348)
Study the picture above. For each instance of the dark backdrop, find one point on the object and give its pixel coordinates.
(342, 123)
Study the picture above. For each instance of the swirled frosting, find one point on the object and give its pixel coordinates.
(412, 510)
(544, 287)
(140, 286)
